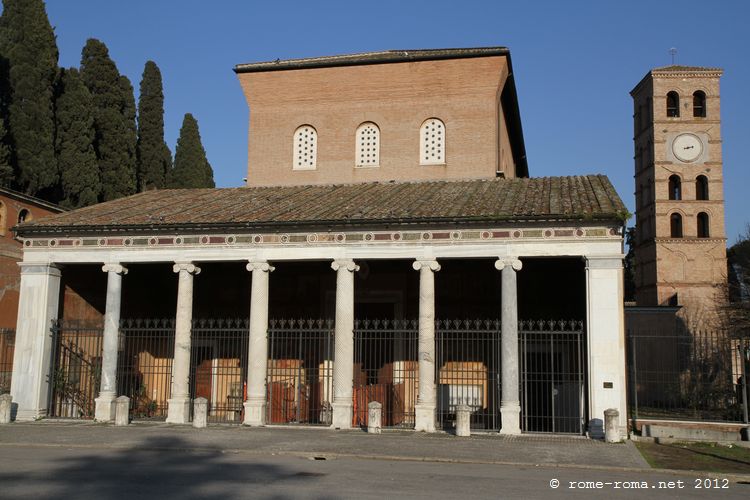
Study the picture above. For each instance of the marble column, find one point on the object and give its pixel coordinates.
(38, 302)
(105, 403)
(343, 364)
(510, 406)
(178, 411)
(427, 395)
(255, 406)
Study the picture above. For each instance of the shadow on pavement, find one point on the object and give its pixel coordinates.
(162, 467)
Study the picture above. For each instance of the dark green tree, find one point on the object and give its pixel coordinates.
(114, 120)
(74, 143)
(629, 265)
(6, 169)
(29, 52)
(154, 160)
(191, 167)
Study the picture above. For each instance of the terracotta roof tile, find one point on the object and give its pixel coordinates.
(579, 197)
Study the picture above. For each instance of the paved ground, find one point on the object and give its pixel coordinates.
(307, 442)
(31, 471)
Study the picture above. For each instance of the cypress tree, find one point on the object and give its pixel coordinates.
(6, 169)
(114, 120)
(74, 143)
(191, 167)
(29, 50)
(154, 159)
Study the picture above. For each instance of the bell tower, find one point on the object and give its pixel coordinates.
(680, 242)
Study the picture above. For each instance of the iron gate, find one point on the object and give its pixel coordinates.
(552, 364)
(144, 366)
(76, 368)
(385, 370)
(7, 346)
(299, 381)
(468, 371)
(218, 367)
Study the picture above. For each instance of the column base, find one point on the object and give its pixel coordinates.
(424, 417)
(342, 415)
(24, 415)
(255, 413)
(510, 418)
(178, 411)
(104, 411)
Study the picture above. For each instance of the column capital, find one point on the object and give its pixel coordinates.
(186, 266)
(430, 264)
(39, 268)
(259, 265)
(114, 267)
(513, 262)
(346, 264)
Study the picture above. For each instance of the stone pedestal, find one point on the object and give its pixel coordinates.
(463, 420)
(343, 368)
(200, 413)
(611, 425)
(6, 405)
(255, 406)
(122, 410)
(104, 409)
(374, 417)
(178, 411)
(425, 414)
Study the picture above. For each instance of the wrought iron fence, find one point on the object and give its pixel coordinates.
(688, 376)
(385, 370)
(468, 371)
(144, 366)
(7, 346)
(76, 368)
(219, 367)
(552, 368)
(299, 381)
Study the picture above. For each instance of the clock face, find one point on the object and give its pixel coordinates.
(687, 147)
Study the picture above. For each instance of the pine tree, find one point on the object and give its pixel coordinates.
(153, 156)
(6, 169)
(29, 50)
(191, 167)
(114, 120)
(74, 143)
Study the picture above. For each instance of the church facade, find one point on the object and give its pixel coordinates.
(389, 246)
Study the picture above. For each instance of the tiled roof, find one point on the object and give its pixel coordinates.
(589, 197)
(385, 56)
(676, 67)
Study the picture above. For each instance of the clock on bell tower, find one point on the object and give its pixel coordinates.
(680, 243)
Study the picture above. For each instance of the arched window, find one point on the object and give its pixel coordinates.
(675, 188)
(673, 104)
(24, 216)
(701, 187)
(675, 225)
(699, 104)
(703, 231)
(432, 142)
(368, 145)
(305, 148)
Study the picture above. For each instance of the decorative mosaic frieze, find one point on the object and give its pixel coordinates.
(439, 237)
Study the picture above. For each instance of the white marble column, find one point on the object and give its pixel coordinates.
(510, 406)
(37, 307)
(427, 396)
(343, 364)
(605, 342)
(105, 403)
(178, 411)
(255, 406)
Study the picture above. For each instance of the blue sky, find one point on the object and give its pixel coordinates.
(575, 62)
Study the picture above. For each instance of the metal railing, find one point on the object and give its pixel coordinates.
(7, 347)
(299, 380)
(385, 370)
(688, 376)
